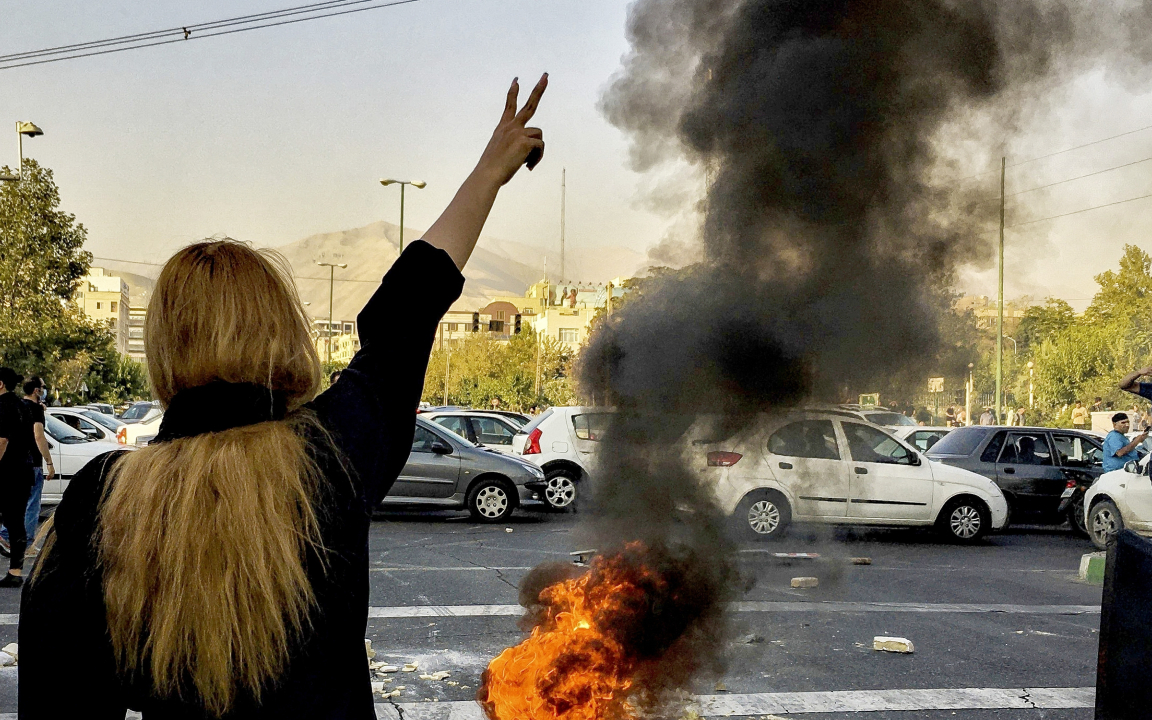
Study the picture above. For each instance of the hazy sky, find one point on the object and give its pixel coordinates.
(273, 135)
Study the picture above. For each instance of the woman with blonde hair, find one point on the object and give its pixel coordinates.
(222, 571)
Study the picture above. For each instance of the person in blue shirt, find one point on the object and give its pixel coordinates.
(1117, 449)
(1130, 384)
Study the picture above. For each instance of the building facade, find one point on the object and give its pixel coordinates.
(340, 341)
(104, 298)
(136, 319)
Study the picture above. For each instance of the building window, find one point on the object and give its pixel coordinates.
(349, 328)
(136, 332)
(113, 306)
(568, 335)
(500, 315)
(99, 305)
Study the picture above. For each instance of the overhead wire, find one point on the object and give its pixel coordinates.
(194, 32)
(294, 277)
(1077, 212)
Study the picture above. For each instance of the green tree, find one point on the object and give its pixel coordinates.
(1044, 321)
(41, 262)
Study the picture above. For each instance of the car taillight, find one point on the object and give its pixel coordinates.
(1070, 484)
(122, 436)
(533, 445)
(723, 459)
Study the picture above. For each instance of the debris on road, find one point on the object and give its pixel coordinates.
(368, 648)
(436, 675)
(893, 644)
(380, 669)
(6, 660)
(750, 639)
(721, 687)
(805, 582)
(410, 667)
(861, 561)
(377, 686)
(507, 529)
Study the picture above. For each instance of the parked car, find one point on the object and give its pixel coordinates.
(517, 417)
(71, 450)
(921, 437)
(479, 428)
(141, 411)
(445, 470)
(1033, 466)
(828, 468)
(92, 423)
(103, 408)
(563, 442)
(1119, 499)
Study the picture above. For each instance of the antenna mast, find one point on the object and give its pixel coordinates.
(563, 190)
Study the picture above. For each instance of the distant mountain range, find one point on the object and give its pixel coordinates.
(497, 267)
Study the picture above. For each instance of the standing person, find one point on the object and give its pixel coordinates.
(950, 416)
(1010, 416)
(1079, 416)
(961, 417)
(1021, 417)
(1098, 405)
(41, 459)
(15, 472)
(264, 616)
(1117, 449)
(987, 418)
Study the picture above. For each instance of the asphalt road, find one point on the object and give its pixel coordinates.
(1002, 621)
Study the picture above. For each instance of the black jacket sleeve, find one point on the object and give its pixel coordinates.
(62, 608)
(371, 410)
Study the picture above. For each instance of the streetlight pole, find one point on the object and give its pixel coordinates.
(331, 280)
(22, 128)
(968, 390)
(1031, 374)
(1000, 302)
(418, 184)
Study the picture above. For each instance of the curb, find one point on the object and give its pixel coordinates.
(1092, 568)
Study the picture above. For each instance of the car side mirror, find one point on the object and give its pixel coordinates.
(1132, 467)
(441, 448)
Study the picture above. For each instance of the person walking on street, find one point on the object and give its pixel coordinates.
(15, 472)
(222, 570)
(1117, 449)
(1021, 417)
(41, 458)
(1079, 416)
(950, 417)
(987, 418)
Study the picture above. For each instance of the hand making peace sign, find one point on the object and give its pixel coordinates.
(513, 144)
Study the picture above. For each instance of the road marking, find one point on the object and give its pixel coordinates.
(799, 703)
(413, 611)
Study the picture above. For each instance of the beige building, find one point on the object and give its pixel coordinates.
(136, 317)
(104, 298)
(341, 339)
(563, 310)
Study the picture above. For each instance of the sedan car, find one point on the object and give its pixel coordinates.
(92, 423)
(921, 437)
(1033, 466)
(71, 450)
(1119, 499)
(828, 468)
(479, 428)
(446, 470)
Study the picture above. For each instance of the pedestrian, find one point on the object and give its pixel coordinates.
(1079, 416)
(1098, 405)
(15, 472)
(1021, 417)
(987, 418)
(1010, 416)
(1117, 448)
(222, 570)
(41, 459)
(950, 417)
(961, 417)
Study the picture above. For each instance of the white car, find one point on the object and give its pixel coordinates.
(829, 468)
(921, 437)
(1119, 499)
(92, 423)
(562, 441)
(480, 428)
(71, 450)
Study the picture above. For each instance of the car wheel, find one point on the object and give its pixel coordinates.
(762, 516)
(1104, 523)
(965, 520)
(491, 501)
(560, 490)
(1076, 517)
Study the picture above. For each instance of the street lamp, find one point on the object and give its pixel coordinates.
(1006, 337)
(22, 128)
(968, 390)
(1031, 374)
(418, 184)
(331, 279)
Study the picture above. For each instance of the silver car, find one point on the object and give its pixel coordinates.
(445, 470)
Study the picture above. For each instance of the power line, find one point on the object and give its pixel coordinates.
(1077, 212)
(1080, 177)
(191, 32)
(294, 277)
(1060, 152)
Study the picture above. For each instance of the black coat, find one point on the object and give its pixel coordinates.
(370, 412)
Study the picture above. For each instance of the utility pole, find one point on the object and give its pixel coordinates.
(331, 280)
(563, 179)
(539, 341)
(1000, 305)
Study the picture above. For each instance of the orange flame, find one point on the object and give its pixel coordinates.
(573, 666)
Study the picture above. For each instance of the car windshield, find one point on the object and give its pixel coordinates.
(100, 418)
(888, 418)
(137, 411)
(62, 432)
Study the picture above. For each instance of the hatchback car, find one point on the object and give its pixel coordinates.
(563, 442)
(92, 423)
(71, 450)
(479, 428)
(1033, 466)
(828, 468)
(445, 470)
(1119, 499)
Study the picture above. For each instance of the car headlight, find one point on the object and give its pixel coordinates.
(536, 471)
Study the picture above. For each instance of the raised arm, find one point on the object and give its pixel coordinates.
(459, 226)
(1130, 384)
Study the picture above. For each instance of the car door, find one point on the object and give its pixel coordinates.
(493, 433)
(1080, 458)
(428, 473)
(1027, 470)
(805, 457)
(587, 431)
(888, 481)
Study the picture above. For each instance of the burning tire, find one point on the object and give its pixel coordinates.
(491, 500)
(762, 516)
(561, 489)
(1104, 523)
(964, 520)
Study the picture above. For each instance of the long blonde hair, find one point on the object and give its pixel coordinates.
(204, 540)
